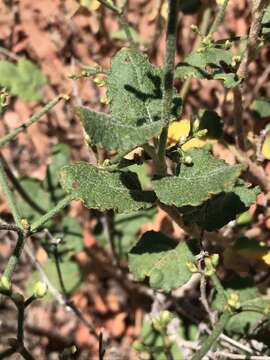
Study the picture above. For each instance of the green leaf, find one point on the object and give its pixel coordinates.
(209, 62)
(205, 177)
(261, 106)
(126, 228)
(114, 134)
(162, 260)
(253, 305)
(221, 209)
(99, 189)
(266, 23)
(230, 80)
(23, 79)
(72, 277)
(135, 95)
(134, 88)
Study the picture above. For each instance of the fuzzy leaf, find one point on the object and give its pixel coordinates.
(208, 63)
(250, 299)
(135, 89)
(197, 182)
(161, 259)
(221, 209)
(111, 133)
(266, 23)
(99, 189)
(135, 94)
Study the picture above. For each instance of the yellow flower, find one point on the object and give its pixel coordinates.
(180, 130)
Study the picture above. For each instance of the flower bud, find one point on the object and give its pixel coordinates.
(194, 28)
(5, 284)
(40, 290)
(192, 267)
(188, 160)
(234, 301)
(214, 259)
(138, 346)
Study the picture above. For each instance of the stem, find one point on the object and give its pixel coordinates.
(7, 138)
(203, 30)
(59, 271)
(258, 7)
(212, 338)
(122, 20)
(219, 17)
(26, 355)
(9, 196)
(20, 332)
(51, 213)
(219, 287)
(168, 74)
(7, 353)
(14, 258)
(111, 6)
(238, 119)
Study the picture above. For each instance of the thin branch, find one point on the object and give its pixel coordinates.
(227, 355)
(168, 75)
(257, 172)
(219, 287)
(51, 213)
(203, 298)
(212, 338)
(26, 354)
(7, 353)
(15, 182)
(8, 53)
(258, 7)
(107, 222)
(111, 6)
(14, 258)
(219, 17)
(54, 292)
(235, 343)
(203, 31)
(122, 20)
(10, 136)
(9, 196)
